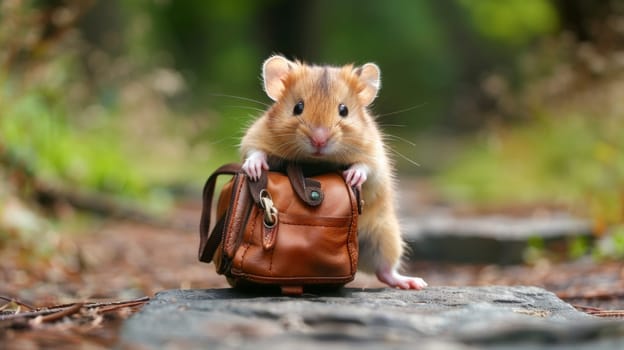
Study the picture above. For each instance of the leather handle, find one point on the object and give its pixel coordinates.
(208, 243)
(309, 190)
(255, 187)
(358, 199)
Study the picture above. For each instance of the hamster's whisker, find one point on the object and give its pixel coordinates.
(399, 138)
(255, 109)
(347, 153)
(225, 139)
(356, 139)
(241, 98)
(291, 146)
(392, 125)
(401, 110)
(408, 159)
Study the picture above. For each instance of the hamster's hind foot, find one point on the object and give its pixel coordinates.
(394, 279)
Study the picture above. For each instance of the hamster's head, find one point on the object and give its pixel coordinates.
(320, 112)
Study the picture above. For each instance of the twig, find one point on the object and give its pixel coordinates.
(102, 304)
(585, 308)
(136, 301)
(607, 313)
(32, 314)
(60, 308)
(16, 301)
(592, 295)
(616, 313)
(594, 311)
(59, 314)
(110, 308)
(49, 194)
(94, 202)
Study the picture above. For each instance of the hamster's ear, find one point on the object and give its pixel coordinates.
(274, 70)
(370, 75)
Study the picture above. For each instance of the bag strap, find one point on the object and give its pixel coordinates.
(208, 244)
(256, 187)
(309, 190)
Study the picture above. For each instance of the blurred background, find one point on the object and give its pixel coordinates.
(117, 107)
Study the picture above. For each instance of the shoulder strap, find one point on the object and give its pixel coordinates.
(208, 244)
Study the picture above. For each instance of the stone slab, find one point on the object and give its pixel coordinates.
(434, 318)
(495, 239)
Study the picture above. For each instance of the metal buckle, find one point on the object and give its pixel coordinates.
(270, 211)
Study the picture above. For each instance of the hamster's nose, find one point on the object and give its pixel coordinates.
(319, 137)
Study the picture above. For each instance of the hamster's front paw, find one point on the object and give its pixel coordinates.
(356, 175)
(394, 279)
(254, 164)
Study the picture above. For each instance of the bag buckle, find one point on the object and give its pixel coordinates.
(270, 211)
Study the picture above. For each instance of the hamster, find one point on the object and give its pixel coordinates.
(320, 114)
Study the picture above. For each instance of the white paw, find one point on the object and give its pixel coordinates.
(254, 164)
(396, 280)
(406, 282)
(356, 175)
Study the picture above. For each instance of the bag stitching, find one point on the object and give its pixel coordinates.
(247, 243)
(350, 248)
(302, 280)
(310, 225)
(228, 243)
(272, 255)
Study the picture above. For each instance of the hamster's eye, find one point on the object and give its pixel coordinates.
(343, 110)
(298, 108)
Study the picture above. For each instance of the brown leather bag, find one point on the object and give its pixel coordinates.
(283, 230)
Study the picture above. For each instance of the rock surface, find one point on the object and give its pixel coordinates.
(438, 232)
(435, 318)
(487, 239)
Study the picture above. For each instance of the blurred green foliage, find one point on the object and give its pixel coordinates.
(38, 125)
(429, 51)
(611, 246)
(573, 160)
(554, 158)
(512, 22)
(36, 129)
